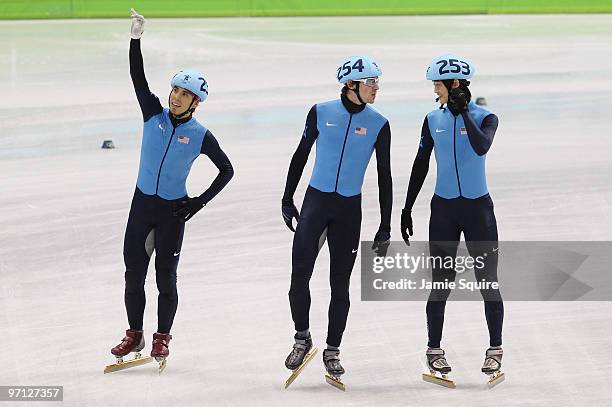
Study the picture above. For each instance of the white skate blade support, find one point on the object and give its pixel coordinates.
(299, 369)
(495, 379)
(335, 381)
(439, 380)
(162, 364)
(137, 361)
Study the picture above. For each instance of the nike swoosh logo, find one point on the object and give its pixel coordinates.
(161, 127)
(354, 251)
(176, 254)
(328, 124)
(496, 249)
(440, 130)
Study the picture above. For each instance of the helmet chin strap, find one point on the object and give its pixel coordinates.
(356, 91)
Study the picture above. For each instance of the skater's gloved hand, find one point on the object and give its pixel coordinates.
(458, 101)
(289, 212)
(137, 24)
(406, 224)
(381, 243)
(187, 208)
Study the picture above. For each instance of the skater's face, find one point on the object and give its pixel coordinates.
(368, 88)
(441, 91)
(180, 99)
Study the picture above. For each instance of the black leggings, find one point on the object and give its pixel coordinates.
(341, 218)
(476, 219)
(152, 226)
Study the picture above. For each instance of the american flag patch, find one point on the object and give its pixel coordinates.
(183, 139)
(361, 131)
(463, 131)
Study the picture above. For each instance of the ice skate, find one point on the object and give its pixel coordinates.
(492, 366)
(438, 368)
(132, 342)
(300, 355)
(331, 360)
(160, 349)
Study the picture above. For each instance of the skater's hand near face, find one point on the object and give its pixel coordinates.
(406, 224)
(137, 24)
(289, 212)
(457, 101)
(382, 240)
(187, 208)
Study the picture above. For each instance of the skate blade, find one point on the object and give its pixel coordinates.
(126, 365)
(162, 364)
(335, 381)
(442, 381)
(496, 379)
(299, 369)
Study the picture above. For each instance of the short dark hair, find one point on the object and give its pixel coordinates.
(448, 83)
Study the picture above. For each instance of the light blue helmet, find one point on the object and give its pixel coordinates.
(191, 80)
(357, 67)
(449, 66)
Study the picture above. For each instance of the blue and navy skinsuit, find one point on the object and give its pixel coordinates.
(169, 148)
(461, 203)
(346, 135)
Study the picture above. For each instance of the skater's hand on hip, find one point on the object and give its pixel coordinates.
(137, 25)
(457, 101)
(187, 208)
(406, 224)
(289, 212)
(382, 240)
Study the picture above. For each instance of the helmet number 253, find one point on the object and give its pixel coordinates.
(346, 68)
(464, 68)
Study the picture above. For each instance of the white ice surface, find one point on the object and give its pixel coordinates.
(64, 205)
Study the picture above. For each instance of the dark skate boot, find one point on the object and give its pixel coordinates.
(299, 357)
(132, 342)
(331, 360)
(160, 349)
(492, 365)
(438, 368)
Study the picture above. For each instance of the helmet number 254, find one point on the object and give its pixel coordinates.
(346, 68)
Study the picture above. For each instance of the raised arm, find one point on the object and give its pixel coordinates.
(149, 103)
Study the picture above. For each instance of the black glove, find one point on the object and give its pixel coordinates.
(406, 224)
(187, 208)
(458, 100)
(381, 242)
(289, 212)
